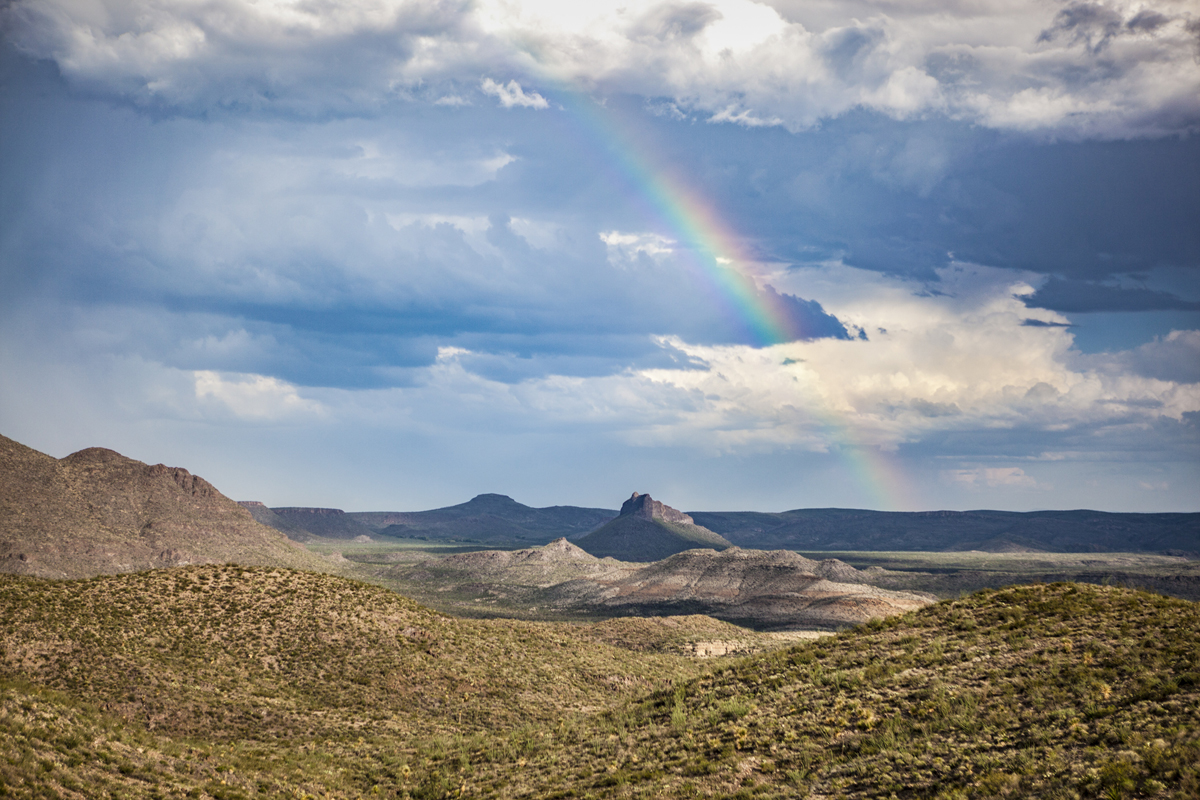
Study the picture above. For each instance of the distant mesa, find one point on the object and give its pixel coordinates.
(97, 512)
(304, 523)
(648, 530)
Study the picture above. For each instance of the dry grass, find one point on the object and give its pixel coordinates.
(226, 682)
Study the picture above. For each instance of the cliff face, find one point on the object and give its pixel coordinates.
(642, 505)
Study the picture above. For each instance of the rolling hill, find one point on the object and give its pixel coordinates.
(779, 590)
(230, 682)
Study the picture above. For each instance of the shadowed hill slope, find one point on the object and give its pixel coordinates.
(302, 523)
(647, 530)
(994, 531)
(97, 512)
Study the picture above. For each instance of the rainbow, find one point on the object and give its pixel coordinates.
(715, 255)
(710, 248)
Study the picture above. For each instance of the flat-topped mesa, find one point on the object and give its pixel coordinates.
(642, 505)
(320, 512)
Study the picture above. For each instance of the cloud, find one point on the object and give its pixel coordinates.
(958, 369)
(1068, 295)
(992, 477)
(1174, 357)
(1106, 69)
(511, 94)
(254, 397)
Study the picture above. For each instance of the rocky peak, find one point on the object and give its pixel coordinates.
(642, 505)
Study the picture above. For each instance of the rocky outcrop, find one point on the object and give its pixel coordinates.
(647, 530)
(766, 590)
(778, 590)
(642, 505)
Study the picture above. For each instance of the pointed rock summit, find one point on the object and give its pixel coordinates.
(648, 530)
(644, 506)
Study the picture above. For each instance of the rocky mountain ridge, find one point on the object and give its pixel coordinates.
(98, 512)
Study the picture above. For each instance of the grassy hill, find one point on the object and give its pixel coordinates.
(228, 682)
(225, 681)
(1044, 691)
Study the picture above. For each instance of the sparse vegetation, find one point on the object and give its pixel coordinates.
(231, 682)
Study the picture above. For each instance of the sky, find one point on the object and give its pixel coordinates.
(391, 254)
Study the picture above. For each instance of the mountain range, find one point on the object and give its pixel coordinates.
(498, 520)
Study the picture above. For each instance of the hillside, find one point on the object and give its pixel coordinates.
(223, 682)
(97, 512)
(487, 518)
(994, 531)
(647, 530)
(252, 682)
(1041, 691)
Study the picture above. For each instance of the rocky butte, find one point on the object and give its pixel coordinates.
(646, 507)
(647, 530)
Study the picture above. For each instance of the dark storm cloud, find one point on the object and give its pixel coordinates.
(907, 198)
(1083, 296)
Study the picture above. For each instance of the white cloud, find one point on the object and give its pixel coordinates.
(1174, 357)
(992, 477)
(254, 397)
(962, 362)
(625, 249)
(1106, 69)
(511, 94)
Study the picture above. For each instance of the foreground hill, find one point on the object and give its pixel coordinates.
(1041, 691)
(97, 512)
(488, 518)
(995, 531)
(647, 530)
(222, 682)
